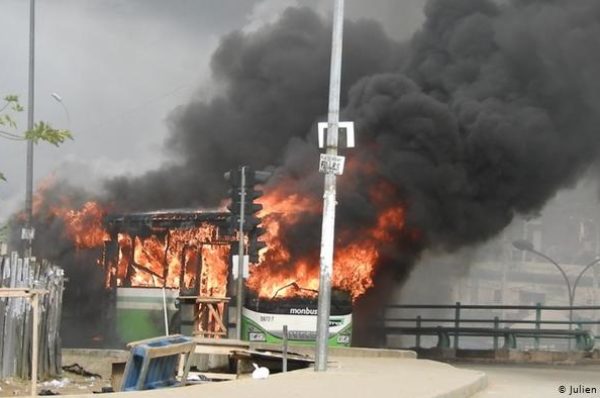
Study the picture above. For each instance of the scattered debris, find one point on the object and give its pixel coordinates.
(197, 377)
(260, 372)
(48, 392)
(79, 370)
(16, 316)
(56, 383)
(105, 390)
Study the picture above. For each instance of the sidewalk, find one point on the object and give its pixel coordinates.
(347, 377)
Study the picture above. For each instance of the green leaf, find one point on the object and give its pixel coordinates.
(6, 120)
(44, 132)
(2, 178)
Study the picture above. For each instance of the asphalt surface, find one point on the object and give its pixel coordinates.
(348, 377)
(533, 381)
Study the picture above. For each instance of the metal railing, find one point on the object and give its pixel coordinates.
(468, 320)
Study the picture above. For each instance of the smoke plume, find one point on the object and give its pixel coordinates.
(485, 113)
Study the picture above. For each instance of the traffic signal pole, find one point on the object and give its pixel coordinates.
(240, 264)
(244, 220)
(329, 197)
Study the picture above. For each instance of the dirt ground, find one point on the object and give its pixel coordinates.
(64, 385)
(93, 361)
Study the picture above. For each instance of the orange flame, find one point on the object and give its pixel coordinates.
(84, 226)
(171, 259)
(183, 258)
(174, 261)
(278, 275)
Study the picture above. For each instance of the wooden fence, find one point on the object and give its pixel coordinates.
(16, 318)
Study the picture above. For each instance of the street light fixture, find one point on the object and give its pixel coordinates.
(526, 245)
(59, 99)
(523, 245)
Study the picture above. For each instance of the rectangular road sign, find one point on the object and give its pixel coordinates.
(27, 233)
(235, 266)
(331, 164)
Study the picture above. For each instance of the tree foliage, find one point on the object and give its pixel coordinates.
(41, 131)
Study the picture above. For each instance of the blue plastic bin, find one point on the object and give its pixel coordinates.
(153, 363)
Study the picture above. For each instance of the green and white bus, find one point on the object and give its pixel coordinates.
(263, 320)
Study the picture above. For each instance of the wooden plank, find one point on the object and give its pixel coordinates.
(34, 350)
(248, 354)
(174, 349)
(218, 346)
(222, 342)
(5, 372)
(214, 376)
(2, 306)
(20, 280)
(25, 324)
(214, 350)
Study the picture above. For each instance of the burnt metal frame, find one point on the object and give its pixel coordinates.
(159, 223)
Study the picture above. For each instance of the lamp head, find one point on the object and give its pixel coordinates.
(523, 244)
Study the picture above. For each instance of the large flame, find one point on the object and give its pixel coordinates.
(176, 258)
(179, 257)
(84, 226)
(279, 275)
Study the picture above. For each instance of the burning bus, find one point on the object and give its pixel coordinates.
(189, 253)
(184, 252)
(263, 320)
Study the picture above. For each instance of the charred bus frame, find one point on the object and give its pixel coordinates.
(159, 224)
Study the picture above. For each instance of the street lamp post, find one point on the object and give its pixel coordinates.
(30, 103)
(329, 196)
(528, 246)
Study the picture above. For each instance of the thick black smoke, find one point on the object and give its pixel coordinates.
(274, 85)
(487, 111)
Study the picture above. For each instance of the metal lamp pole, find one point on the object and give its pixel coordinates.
(30, 104)
(528, 246)
(594, 262)
(329, 197)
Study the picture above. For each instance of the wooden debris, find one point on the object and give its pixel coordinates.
(16, 318)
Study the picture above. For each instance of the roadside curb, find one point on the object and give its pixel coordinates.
(469, 389)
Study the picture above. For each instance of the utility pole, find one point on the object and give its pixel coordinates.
(240, 264)
(331, 165)
(244, 219)
(27, 233)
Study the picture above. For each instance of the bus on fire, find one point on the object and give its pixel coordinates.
(263, 319)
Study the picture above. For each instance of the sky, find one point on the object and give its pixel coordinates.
(121, 67)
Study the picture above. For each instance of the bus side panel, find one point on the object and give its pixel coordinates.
(268, 328)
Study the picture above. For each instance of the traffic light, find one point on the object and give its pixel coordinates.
(243, 194)
(255, 245)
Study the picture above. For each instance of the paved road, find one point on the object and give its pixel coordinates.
(347, 377)
(537, 381)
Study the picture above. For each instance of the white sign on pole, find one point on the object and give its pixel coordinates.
(331, 164)
(27, 233)
(235, 266)
(347, 126)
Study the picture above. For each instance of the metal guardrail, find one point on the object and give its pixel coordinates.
(459, 326)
